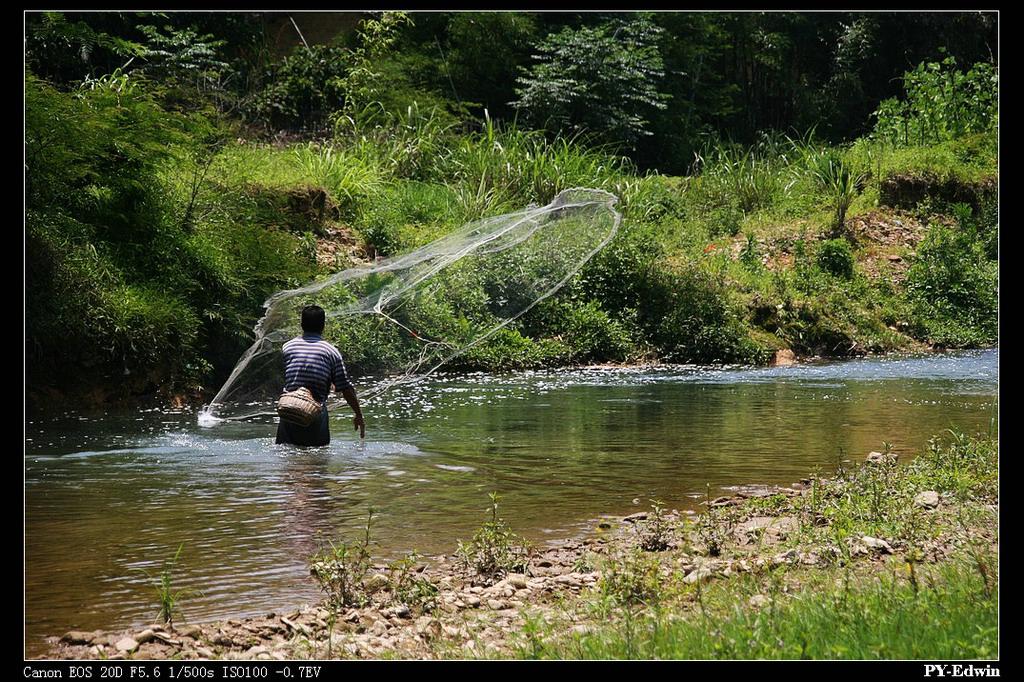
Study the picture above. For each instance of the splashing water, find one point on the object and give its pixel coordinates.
(402, 318)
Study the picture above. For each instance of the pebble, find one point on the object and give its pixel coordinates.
(375, 583)
(126, 644)
(145, 636)
(193, 631)
(876, 544)
(759, 600)
(698, 575)
(929, 499)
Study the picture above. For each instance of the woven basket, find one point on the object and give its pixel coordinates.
(298, 407)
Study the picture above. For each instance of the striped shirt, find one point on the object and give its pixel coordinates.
(314, 363)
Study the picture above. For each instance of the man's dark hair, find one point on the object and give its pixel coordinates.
(313, 319)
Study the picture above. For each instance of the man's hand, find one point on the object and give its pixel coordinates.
(360, 425)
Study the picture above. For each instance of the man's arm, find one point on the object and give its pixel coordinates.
(344, 386)
(353, 401)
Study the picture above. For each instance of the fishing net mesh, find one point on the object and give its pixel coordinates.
(400, 319)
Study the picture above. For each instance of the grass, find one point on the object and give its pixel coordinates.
(169, 598)
(947, 615)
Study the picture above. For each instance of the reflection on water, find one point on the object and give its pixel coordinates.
(109, 497)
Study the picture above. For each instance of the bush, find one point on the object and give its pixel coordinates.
(942, 103)
(836, 258)
(689, 319)
(953, 287)
(724, 221)
(341, 569)
(631, 578)
(508, 349)
(303, 89)
(594, 336)
(494, 550)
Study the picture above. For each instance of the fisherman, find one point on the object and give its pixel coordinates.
(311, 362)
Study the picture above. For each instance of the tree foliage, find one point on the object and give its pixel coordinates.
(601, 80)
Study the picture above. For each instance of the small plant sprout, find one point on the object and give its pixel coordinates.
(168, 597)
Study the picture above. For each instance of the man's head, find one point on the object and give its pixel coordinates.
(313, 319)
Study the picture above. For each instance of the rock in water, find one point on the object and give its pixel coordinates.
(878, 457)
(784, 358)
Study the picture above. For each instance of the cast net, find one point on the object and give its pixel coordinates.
(400, 319)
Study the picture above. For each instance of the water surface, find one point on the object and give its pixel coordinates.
(111, 496)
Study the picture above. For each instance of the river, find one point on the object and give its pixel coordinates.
(110, 496)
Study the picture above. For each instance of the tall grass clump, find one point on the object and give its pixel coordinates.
(402, 144)
(838, 181)
(502, 165)
(348, 177)
(750, 178)
(168, 596)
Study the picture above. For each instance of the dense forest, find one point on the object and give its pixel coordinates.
(817, 182)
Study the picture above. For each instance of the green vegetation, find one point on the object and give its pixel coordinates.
(494, 550)
(341, 570)
(409, 589)
(169, 598)
(165, 203)
(656, 530)
(948, 616)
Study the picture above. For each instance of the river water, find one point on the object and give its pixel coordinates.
(109, 497)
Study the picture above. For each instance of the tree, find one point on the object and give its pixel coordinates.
(602, 80)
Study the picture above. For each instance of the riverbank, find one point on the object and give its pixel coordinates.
(883, 560)
(151, 288)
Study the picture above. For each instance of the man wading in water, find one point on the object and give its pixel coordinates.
(314, 363)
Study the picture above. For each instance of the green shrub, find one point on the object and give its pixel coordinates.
(303, 89)
(410, 588)
(835, 257)
(689, 319)
(941, 103)
(656, 530)
(494, 550)
(631, 578)
(594, 336)
(508, 349)
(341, 570)
(953, 287)
(724, 221)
